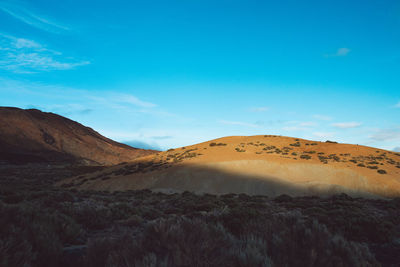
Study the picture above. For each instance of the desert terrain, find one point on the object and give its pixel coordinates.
(70, 197)
(256, 165)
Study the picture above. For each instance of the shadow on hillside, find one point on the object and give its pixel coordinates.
(200, 179)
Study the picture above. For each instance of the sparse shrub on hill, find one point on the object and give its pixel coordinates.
(297, 144)
(305, 157)
(269, 147)
(217, 144)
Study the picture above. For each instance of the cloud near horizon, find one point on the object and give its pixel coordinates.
(324, 135)
(142, 145)
(162, 137)
(346, 125)
(238, 123)
(259, 109)
(386, 135)
(294, 128)
(299, 126)
(307, 124)
(322, 117)
(66, 100)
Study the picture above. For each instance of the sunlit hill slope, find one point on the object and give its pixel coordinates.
(256, 165)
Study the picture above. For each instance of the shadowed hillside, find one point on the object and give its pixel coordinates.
(34, 136)
(48, 226)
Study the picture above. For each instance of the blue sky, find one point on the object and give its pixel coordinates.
(165, 74)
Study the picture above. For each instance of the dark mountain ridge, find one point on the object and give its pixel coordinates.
(30, 135)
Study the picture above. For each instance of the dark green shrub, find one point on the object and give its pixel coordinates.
(32, 236)
(305, 157)
(293, 241)
(217, 144)
(178, 242)
(92, 217)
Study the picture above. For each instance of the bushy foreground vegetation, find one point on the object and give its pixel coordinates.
(45, 226)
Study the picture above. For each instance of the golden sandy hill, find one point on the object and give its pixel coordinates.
(34, 136)
(257, 165)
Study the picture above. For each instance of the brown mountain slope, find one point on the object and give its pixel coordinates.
(267, 165)
(34, 136)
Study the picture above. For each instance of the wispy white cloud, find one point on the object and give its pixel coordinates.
(324, 135)
(341, 52)
(124, 98)
(21, 55)
(142, 144)
(386, 135)
(66, 100)
(245, 124)
(65, 109)
(294, 128)
(307, 124)
(25, 43)
(163, 137)
(346, 125)
(23, 13)
(259, 109)
(322, 117)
